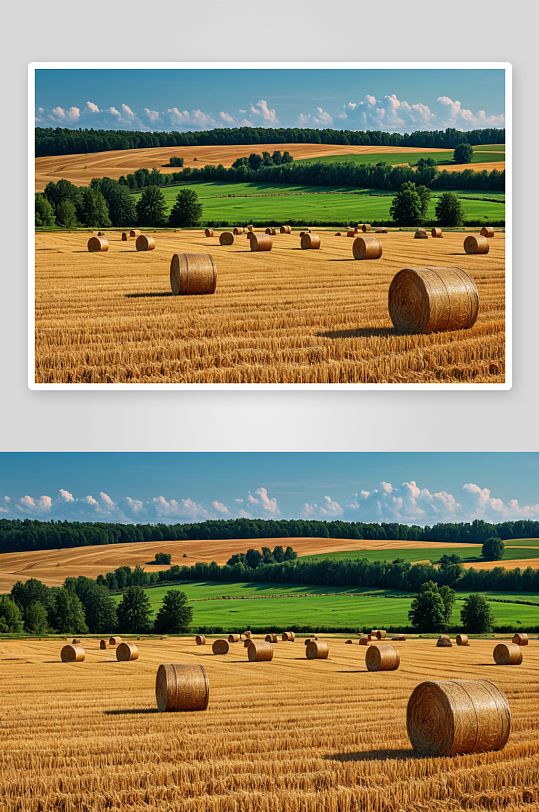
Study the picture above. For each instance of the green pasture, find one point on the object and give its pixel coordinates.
(411, 556)
(400, 158)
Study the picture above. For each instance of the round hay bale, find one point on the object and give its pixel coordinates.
(430, 300)
(134, 232)
(271, 638)
(348, 642)
(317, 650)
(520, 639)
(247, 642)
(208, 232)
(72, 653)
(365, 227)
(220, 646)
(444, 642)
(285, 230)
(237, 230)
(351, 232)
(233, 638)
(436, 232)
(507, 654)
(98, 244)
(102, 644)
(271, 231)
(192, 274)
(381, 634)
(259, 651)
(364, 640)
(182, 687)
(289, 637)
(115, 641)
(421, 234)
(250, 227)
(310, 240)
(76, 641)
(247, 633)
(261, 242)
(145, 242)
(124, 236)
(100, 233)
(487, 231)
(226, 238)
(338, 234)
(457, 717)
(367, 248)
(462, 640)
(381, 230)
(401, 638)
(126, 652)
(382, 658)
(200, 640)
(476, 244)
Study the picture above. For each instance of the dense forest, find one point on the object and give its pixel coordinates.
(63, 141)
(32, 534)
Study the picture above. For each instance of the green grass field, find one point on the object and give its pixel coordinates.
(468, 554)
(410, 158)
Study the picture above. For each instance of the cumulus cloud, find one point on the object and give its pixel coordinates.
(90, 501)
(261, 498)
(114, 112)
(226, 117)
(65, 496)
(220, 508)
(261, 109)
(463, 119)
(388, 113)
(152, 115)
(328, 509)
(107, 500)
(317, 119)
(134, 504)
(195, 119)
(44, 503)
(92, 108)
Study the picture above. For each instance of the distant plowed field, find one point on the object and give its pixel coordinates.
(290, 735)
(281, 316)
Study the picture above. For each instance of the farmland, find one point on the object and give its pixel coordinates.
(290, 735)
(285, 316)
(471, 555)
(482, 155)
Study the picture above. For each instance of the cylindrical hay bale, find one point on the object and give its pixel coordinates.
(400, 638)
(271, 638)
(285, 229)
(348, 641)
(351, 232)
(126, 652)
(134, 232)
(462, 640)
(247, 642)
(289, 637)
(247, 633)
(367, 248)
(374, 632)
(115, 641)
(382, 658)
(476, 244)
(457, 717)
(260, 242)
(520, 639)
(238, 230)
(430, 300)
(102, 644)
(72, 653)
(220, 646)
(487, 231)
(421, 234)
(145, 242)
(317, 650)
(98, 244)
(364, 640)
(182, 687)
(208, 232)
(124, 236)
(381, 634)
(76, 641)
(444, 642)
(259, 651)
(436, 232)
(272, 231)
(365, 227)
(250, 227)
(100, 233)
(226, 238)
(200, 640)
(381, 230)
(310, 240)
(192, 274)
(233, 638)
(338, 234)
(507, 654)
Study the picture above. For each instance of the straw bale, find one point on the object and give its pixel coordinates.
(182, 687)
(421, 234)
(462, 640)
(367, 248)
(364, 640)
(124, 236)
(271, 231)
(145, 242)
(271, 638)
(381, 634)
(200, 640)
(289, 637)
(100, 233)
(309, 639)
(237, 230)
(476, 244)
(247, 642)
(351, 232)
(520, 639)
(76, 641)
(247, 633)
(102, 644)
(399, 638)
(126, 652)
(382, 658)
(115, 641)
(365, 227)
(310, 240)
(250, 227)
(98, 244)
(507, 654)
(285, 230)
(349, 641)
(261, 242)
(192, 274)
(487, 231)
(338, 234)
(208, 232)
(72, 653)
(233, 638)
(220, 646)
(457, 717)
(317, 650)
(134, 232)
(444, 642)
(259, 651)
(381, 230)
(430, 300)
(436, 232)
(226, 238)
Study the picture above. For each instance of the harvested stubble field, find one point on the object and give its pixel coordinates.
(284, 316)
(290, 735)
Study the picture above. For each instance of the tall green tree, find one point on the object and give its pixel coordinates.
(407, 207)
(187, 211)
(463, 153)
(44, 211)
(449, 211)
(95, 212)
(476, 615)
(175, 615)
(122, 211)
(134, 612)
(35, 619)
(66, 214)
(427, 612)
(11, 621)
(493, 549)
(99, 607)
(151, 207)
(448, 596)
(69, 616)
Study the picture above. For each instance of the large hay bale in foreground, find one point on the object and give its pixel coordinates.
(444, 642)
(259, 651)
(72, 653)
(145, 242)
(289, 637)
(462, 640)
(436, 232)
(115, 641)
(226, 238)
(182, 687)
(457, 717)
(126, 652)
(507, 654)
(430, 300)
(382, 658)
(317, 650)
(520, 639)
(310, 240)
(487, 231)
(102, 644)
(285, 229)
(367, 248)
(476, 244)
(200, 640)
(421, 234)
(260, 242)
(208, 232)
(134, 232)
(247, 642)
(98, 244)
(233, 638)
(192, 274)
(220, 646)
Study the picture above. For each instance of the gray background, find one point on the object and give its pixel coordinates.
(286, 420)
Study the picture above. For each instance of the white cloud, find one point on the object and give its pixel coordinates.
(387, 114)
(66, 496)
(318, 119)
(73, 113)
(220, 508)
(7, 499)
(238, 500)
(128, 113)
(152, 115)
(91, 501)
(59, 112)
(261, 109)
(44, 503)
(194, 118)
(107, 500)
(134, 504)
(463, 119)
(114, 112)
(329, 509)
(92, 108)
(240, 111)
(269, 505)
(227, 118)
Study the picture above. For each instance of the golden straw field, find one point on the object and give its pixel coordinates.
(290, 735)
(281, 316)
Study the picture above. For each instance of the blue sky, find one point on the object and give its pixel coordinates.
(422, 488)
(199, 99)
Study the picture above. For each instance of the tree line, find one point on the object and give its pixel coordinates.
(65, 141)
